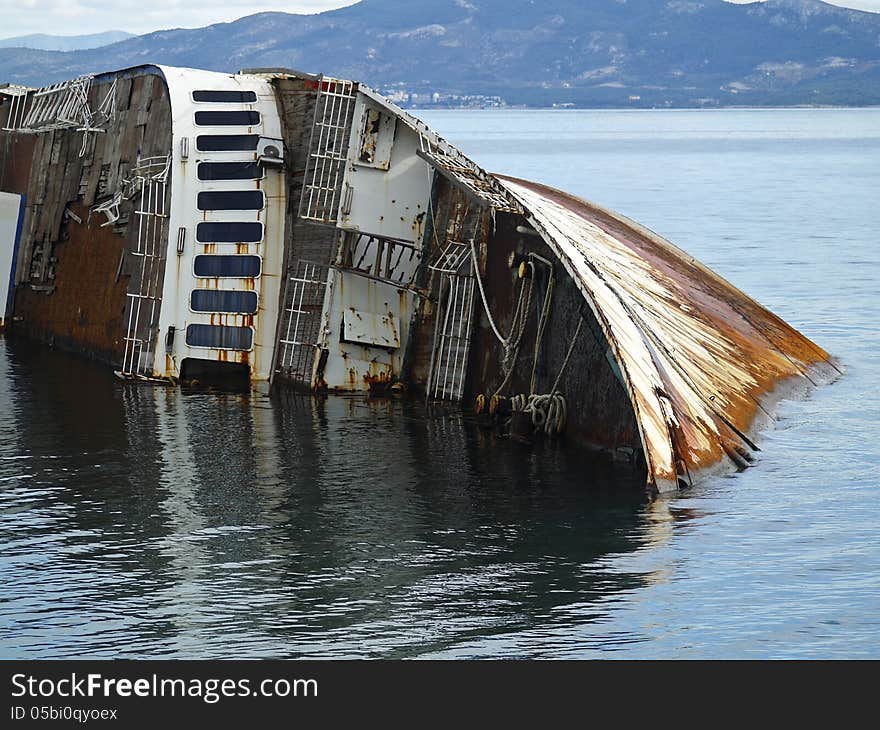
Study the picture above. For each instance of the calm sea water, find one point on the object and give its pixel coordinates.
(150, 522)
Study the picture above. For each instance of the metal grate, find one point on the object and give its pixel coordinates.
(143, 304)
(451, 163)
(328, 148)
(452, 327)
(302, 329)
(64, 105)
(380, 258)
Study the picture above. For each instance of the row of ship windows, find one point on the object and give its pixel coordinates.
(207, 265)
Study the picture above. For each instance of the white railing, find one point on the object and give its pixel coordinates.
(328, 148)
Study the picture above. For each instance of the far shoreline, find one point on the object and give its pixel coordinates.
(511, 107)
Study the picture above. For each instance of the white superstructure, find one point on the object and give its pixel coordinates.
(225, 245)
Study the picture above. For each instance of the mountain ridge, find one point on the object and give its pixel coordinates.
(554, 52)
(47, 42)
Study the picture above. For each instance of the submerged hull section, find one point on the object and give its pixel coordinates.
(278, 226)
(700, 359)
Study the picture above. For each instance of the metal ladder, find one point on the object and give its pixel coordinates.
(452, 325)
(143, 304)
(302, 326)
(328, 148)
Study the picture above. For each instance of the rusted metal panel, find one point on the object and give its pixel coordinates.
(449, 160)
(85, 309)
(699, 358)
(370, 328)
(386, 185)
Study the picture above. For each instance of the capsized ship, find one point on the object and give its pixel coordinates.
(283, 227)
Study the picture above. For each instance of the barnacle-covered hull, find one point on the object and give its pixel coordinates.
(303, 230)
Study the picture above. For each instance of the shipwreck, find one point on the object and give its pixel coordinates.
(282, 227)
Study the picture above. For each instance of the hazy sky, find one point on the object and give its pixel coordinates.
(74, 17)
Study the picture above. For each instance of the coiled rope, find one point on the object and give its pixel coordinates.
(548, 411)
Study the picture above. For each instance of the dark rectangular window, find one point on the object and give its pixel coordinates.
(228, 118)
(227, 142)
(231, 200)
(223, 300)
(245, 97)
(219, 336)
(230, 171)
(229, 232)
(242, 267)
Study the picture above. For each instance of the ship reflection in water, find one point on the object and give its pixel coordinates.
(142, 521)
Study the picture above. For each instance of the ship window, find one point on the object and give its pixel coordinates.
(227, 142)
(231, 200)
(244, 97)
(223, 300)
(219, 336)
(229, 232)
(242, 267)
(230, 171)
(228, 118)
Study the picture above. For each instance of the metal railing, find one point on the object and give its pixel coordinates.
(328, 148)
(385, 259)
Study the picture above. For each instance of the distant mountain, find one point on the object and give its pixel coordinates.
(533, 52)
(43, 42)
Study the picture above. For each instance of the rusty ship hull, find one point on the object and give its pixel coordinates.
(288, 228)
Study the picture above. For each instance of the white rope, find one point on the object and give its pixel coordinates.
(567, 356)
(498, 334)
(520, 317)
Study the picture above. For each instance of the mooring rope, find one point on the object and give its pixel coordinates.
(548, 411)
(567, 355)
(542, 325)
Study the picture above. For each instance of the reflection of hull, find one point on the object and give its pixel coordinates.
(279, 226)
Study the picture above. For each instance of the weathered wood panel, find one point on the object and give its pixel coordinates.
(73, 272)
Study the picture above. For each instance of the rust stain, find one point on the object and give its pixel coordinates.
(378, 380)
(85, 310)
